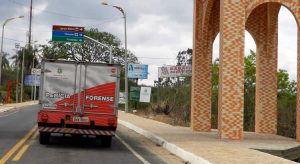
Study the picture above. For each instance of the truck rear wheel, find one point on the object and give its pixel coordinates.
(44, 138)
(106, 141)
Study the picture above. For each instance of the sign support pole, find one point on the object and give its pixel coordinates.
(34, 96)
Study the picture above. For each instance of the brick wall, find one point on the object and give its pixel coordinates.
(231, 18)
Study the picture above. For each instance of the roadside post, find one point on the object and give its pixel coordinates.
(35, 72)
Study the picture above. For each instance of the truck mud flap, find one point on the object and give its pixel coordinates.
(77, 131)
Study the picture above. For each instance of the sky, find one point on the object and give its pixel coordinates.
(156, 29)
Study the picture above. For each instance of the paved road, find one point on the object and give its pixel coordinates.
(19, 144)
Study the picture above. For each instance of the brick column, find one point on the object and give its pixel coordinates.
(201, 80)
(231, 84)
(298, 91)
(266, 69)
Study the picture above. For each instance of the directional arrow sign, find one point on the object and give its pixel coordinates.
(68, 28)
(67, 33)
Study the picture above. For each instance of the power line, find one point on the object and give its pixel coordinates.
(14, 40)
(57, 13)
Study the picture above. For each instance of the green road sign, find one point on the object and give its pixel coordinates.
(134, 94)
(64, 39)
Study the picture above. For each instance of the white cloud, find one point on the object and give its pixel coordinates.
(40, 8)
(156, 28)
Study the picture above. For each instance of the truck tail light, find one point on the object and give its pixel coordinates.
(68, 118)
(111, 121)
(44, 117)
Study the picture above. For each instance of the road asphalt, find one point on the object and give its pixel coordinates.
(19, 144)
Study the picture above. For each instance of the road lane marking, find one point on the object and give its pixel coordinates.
(25, 147)
(132, 150)
(21, 152)
(17, 146)
(10, 114)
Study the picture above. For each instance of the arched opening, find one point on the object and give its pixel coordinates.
(275, 58)
(287, 73)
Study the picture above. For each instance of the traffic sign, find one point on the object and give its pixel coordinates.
(35, 71)
(32, 80)
(68, 28)
(67, 33)
(64, 39)
(134, 93)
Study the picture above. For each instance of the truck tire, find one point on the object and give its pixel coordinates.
(44, 138)
(106, 141)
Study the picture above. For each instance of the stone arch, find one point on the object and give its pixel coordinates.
(232, 16)
(263, 24)
(266, 113)
(291, 5)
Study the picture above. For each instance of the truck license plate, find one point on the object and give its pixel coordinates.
(80, 119)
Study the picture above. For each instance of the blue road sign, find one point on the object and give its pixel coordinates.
(67, 34)
(138, 71)
(29, 80)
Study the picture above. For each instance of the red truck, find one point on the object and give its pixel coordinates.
(78, 98)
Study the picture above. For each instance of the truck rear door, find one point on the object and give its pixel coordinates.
(100, 89)
(81, 88)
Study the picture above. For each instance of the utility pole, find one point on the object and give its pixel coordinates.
(22, 76)
(126, 62)
(30, 24)
(17, 45)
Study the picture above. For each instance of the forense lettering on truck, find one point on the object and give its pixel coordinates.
(57, 95)
(99, 98)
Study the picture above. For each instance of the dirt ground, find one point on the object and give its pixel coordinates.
(168, 119)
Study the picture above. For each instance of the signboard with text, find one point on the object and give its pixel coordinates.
(67, 34)
(145, 94)
(175, 71)
(134, 94)
(137, 71)
(35, 71)
(122, 98)
(29, 80)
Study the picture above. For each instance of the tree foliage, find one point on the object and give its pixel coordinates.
(178, 94)
(89, 51)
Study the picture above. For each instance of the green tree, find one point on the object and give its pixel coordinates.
(215, 91)
(89, 51)
(5, 61)
(286, 104)
(184, 57)
(29, 58)
(249, 91)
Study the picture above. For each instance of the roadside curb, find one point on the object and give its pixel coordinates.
(6, 109)
(14, 106)
(183, 154)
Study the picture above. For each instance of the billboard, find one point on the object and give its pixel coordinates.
(175, 71)
(138, 71)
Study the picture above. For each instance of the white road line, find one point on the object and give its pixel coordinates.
(10, 114)
(132, 150)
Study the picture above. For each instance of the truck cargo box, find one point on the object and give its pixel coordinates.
(78, 98)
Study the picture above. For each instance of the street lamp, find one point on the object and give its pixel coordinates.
(5, 22)
(126, 65)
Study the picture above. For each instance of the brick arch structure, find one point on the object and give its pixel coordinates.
(232, 18)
